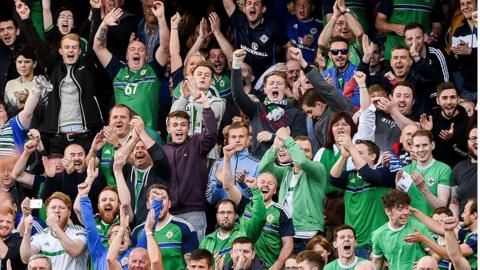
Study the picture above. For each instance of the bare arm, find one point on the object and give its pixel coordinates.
(232, 190)
(175, 58)
(287, 248)
(18, 171)
(454, 205)
(339, 166)
(327, 31)
(123, 191)
(202, 35)
(225, 45)
(382, 25)
(26, 248)
(47, 15)
(431, 224)
(354, 25)
(443, 192)
(25, 116)
(161, 55)
(229, 6)
(72, 247)
(100, 41)
(379, 262)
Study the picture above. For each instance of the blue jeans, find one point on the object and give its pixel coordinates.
(198, 221)
(363, 252)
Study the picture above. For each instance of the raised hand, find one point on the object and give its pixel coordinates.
(367, 49)
(219, 260)
(26, 211)
(92, 170)
(68, 165)
(111, 18)
(251, 182)
(97, 4)
(49, 167)
(204, 29)
(158, 9)
(83, 189)
(175, 20)
(360, 78)
(110, 135)
(295, 54)
(30, 146)
(239, 55)
(228, 151)
(98, 142)
(119, 160)
(264, 136)
(283, 133)
(214, 22)
(150, 221)
(450, 223)
(138, 124)
(28, 223)
(426, 122)
(185, 91)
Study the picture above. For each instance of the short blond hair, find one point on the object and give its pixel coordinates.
(60, 196)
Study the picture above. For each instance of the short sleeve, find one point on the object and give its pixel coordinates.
(158, 69)
(286, 224)
(114, 67)
(238, 19)
(36, 241)
(445, 177)
(78, 233)
(189, 239)
(472, 241)
(386, 7)
(376, 248)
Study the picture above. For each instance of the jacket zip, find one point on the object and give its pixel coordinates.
(84, 120)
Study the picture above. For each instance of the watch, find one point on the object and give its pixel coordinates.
(347, 10)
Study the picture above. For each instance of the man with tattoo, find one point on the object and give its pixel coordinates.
(137, 83)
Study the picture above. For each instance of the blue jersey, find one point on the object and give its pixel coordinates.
(297, 30)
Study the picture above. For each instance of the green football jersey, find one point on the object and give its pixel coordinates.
(336, 265)
(222, 84)
(435, 174)
(175, 239)
(278, 224)
(358, 7)
(102, 228)
(405, 12)
(105, 164)
(139, 90)
(389, 243)
(364, 208)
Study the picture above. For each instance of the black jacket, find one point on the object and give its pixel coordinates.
(257, 264)
(82, 73)
(256, 112)
(159, 173)
(454, 150)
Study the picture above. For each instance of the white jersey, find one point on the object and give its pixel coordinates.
(49, 245)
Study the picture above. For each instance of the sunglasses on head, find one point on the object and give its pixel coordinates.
(337, 51)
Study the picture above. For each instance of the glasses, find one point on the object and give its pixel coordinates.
(337, 51)
(222, 213)
(472, 138)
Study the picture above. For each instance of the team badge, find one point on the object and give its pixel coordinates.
(222, 83)
(169, 234)
(264, 38)
(295, 26)
(313, 31)
(430, 181)
(254, 46)
(143, 72)
(270, 218)
(124, 261)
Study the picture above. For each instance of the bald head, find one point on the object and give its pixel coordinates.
(427, 263)
(406, 136)
(138, 259)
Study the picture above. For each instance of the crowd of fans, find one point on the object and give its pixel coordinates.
(255, 134)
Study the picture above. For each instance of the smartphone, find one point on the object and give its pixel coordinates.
(36, 203)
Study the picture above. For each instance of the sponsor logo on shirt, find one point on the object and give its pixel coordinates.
(264, 38)
(253, 51)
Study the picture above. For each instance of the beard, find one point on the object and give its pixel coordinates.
(472, 153)
(227, 227)
(108, 218)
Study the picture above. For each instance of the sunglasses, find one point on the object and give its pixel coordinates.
(337, 51)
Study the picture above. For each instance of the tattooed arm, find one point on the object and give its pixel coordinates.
(100, 41)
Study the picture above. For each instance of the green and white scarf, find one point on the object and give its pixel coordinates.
(275, 109)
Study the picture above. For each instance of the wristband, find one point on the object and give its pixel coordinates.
(236, 63)
(149, 233)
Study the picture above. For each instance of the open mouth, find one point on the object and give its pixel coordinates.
(7, 39)
(179, 135)
(347, 247)
(265, 189)
(108, 209)
(252, 12)
(77, 164)
(70, 57)
(275, 93)
(140, 157)
(64, 27)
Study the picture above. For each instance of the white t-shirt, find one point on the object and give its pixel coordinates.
(50, 246)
